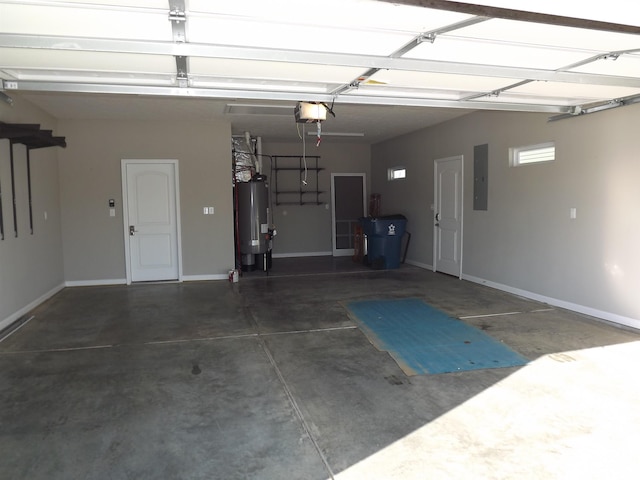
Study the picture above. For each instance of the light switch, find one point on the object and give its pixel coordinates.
(573, 213)
(206, 210)
(112, 212)
(210, 210)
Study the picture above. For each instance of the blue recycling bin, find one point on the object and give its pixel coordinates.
(384, 240)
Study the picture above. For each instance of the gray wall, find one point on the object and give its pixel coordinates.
(306, 229)
(525, 242)
(30, 265)
(90, 174)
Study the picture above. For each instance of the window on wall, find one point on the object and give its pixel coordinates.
(397, 173)
(544, 152)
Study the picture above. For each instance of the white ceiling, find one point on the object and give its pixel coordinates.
(386, 67)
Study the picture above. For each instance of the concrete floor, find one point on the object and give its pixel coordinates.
(269, 379)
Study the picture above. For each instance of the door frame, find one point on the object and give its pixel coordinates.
(459, 158)
(125, 209)
(346, 251)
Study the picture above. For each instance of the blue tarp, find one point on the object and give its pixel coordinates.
(422, 339)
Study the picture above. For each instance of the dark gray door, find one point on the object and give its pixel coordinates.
(348, 200)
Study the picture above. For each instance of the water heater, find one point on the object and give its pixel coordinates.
(253, 224)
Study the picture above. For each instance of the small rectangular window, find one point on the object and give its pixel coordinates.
(544, 152)
(397, 173)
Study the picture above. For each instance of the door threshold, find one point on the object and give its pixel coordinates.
(155, 282)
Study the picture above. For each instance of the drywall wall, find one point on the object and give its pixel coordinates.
(306, 229)
(90, 174)
(30, 264)
(526, 241)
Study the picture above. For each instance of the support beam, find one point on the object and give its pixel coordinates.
(429, 36)
(496, 92)
(597, 107)
(519, 15)
(300, 57)
(285, 96)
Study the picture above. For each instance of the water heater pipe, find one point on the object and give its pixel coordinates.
(247, 138)
(259, 152)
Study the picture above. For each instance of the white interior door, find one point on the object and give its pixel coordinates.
(151, 220)
(348, 204)
(447, 242)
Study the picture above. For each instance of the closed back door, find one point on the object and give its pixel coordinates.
(447, 255)
(348, 205)
(151, 220)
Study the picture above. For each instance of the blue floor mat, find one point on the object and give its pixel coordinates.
(423, 339)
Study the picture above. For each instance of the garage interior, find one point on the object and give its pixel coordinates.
(109, 371)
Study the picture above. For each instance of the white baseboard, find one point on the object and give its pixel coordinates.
(95, 283)
(418, 264)
(608, 316)
(302, 254)
(123, 281)
(203, 278)
(43, 298)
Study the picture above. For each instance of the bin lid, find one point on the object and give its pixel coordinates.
(396, 216)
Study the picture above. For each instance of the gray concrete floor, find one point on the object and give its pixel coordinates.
(269, 379)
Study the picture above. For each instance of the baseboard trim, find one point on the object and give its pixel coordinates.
(204, 278)
(418, 264)
(302, 254)
(95, 283)
(43, 298)
(592, 312)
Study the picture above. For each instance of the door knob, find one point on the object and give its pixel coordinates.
(437, 217)
(132, 230)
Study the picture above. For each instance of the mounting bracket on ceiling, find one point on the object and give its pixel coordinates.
(182, 77)
(178, 19)
(6, 98)
(428, 37)
(579, 110)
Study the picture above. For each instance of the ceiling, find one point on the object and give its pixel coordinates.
(385, 67)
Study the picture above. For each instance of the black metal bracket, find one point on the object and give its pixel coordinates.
(32, 137)
(13, 190)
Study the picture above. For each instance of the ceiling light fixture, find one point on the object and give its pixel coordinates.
(257, 109)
